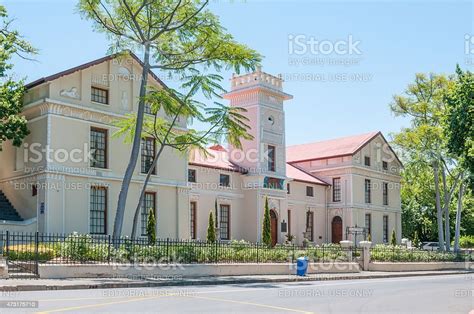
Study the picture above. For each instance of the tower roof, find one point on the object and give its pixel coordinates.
(257, 80)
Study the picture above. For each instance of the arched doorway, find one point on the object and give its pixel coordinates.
(336, 227)
(274, 227)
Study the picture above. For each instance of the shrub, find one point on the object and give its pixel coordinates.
(76, 247)
(416, 240)
(393, 240)
(211, 231)
(466, 242)
(26, 252)
(266, 228)
(151, 227)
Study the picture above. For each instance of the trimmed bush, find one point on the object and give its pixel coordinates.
(466, 242)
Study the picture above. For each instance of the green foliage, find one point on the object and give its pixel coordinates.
(183, 39)
(383, 253)
(460, 119)
(416, 240)
(13, 125)
(151, 227)
(426, 156)
(393, 239)
(266, 227)
(211, 231)
(77, 247)
(369, 238)
(26, 252)
(466, 242)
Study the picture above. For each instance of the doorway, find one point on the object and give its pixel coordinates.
(336, 227)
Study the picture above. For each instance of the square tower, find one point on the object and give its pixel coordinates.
(261, 94)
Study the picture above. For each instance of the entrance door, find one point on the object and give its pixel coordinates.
(336, 227)
(274, 227)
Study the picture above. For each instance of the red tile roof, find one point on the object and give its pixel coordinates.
(331, 148)
(301, 175)
(217, 157)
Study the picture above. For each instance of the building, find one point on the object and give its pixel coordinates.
(315, 191)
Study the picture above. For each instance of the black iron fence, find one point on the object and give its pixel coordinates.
(85, 249)
(384, 253)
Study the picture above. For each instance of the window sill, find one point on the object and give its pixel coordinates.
(99, 103)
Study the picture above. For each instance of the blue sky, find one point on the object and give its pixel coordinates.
(395, 41)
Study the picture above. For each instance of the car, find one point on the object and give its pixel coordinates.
(430, 246)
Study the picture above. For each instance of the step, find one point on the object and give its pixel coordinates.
(7, 211)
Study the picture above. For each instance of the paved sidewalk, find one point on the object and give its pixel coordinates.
(107, 283)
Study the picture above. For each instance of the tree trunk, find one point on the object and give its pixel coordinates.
(142, 194)
(447, 200)
(458, 217)
(135, 148)
(438, 206)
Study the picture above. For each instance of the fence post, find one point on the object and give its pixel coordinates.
(8, 245)
(167, 250)
(108, 249)
(293, 255)
(36, 252)
(257, 252)
(216, 259)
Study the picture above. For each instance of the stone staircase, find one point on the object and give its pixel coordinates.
(7, 211)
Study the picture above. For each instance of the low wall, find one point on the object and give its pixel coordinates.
(189, 270)
(386, 266)
(27, 226)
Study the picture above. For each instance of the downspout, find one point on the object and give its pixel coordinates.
(327, 213)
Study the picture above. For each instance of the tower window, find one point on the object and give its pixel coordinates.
(271, 158)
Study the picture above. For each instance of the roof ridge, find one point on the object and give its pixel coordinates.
(336, 138)
(308, 173)
(89, 64)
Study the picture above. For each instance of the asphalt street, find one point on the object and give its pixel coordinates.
(436, 294)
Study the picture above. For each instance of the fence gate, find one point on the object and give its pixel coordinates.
(21, 253)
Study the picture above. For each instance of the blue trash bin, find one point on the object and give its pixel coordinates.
(301, 266)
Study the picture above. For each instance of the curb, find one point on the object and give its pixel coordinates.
(213, 282)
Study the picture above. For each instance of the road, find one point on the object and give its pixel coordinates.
(436, 294)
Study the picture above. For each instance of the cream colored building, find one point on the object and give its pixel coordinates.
(315, 191)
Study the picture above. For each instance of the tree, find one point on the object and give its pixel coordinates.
(175, 36)
(211, 231)
(460, 134)
(266, 228)
(13, 126)
(460, 119)
(151, 227)
(220, 121)
(424, 141)
(416, 240)
(393, 239)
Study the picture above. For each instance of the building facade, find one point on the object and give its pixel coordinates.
(314, 191)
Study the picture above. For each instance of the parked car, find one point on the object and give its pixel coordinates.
(430, 246)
